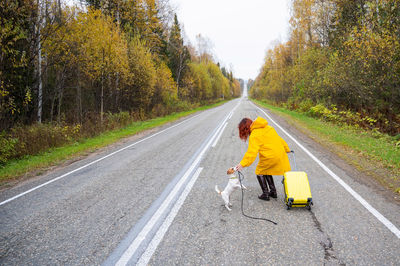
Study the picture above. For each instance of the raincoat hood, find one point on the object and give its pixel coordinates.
(259, 123)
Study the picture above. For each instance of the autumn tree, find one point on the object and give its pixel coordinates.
(165, 96)
(137, 93)
(91, 46)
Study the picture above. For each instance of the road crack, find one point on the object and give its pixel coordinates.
(326, 243)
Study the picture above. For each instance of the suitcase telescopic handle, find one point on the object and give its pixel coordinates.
(294, 160)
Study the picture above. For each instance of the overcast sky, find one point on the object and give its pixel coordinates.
(241, 31)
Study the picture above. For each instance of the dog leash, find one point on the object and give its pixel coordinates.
(241, 177)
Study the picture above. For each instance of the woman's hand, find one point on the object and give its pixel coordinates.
(238, 167)
(231, 170)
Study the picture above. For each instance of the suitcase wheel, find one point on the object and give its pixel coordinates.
(289, 203)
(309, 204)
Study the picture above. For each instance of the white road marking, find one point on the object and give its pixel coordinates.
(230, 115)
(371, 209)
(222, 130)
(219, 135)
(96, 161)
(131, 250)
(156, 216)
(146, 256)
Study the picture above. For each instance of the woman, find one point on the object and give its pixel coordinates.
(272, 149)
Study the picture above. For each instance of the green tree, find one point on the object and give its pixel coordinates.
(154, 34)
(178, 53)
(16, 60)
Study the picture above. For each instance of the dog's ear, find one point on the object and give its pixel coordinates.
(230, 171)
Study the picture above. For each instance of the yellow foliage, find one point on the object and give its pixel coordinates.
(165, 84)
(142, 75)
(91, 40)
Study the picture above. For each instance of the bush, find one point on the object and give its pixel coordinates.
(40, 137)
(305, 106)
(317, 111)
(376, 123)
(7, 147)
(117, 120)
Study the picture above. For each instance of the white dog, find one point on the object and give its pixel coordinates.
(232, 185)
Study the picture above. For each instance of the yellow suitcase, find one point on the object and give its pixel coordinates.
(297, 189)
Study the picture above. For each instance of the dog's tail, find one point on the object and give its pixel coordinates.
(216, 189)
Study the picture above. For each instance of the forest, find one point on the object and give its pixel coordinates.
(68, 72)
(341, 63)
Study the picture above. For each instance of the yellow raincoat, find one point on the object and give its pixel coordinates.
(271, 148)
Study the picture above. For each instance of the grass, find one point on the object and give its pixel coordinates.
(16, 169)
(374, 154)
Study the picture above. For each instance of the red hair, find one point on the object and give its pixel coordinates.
(244, 128)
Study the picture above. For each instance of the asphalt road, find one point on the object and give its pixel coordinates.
(151, 200)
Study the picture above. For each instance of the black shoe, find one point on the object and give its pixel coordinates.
(273, 194)
(263, 184)
(271, 185)
(264, 197)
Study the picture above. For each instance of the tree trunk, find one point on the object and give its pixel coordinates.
(102, 98)
(178, 76)
(52, 107)
(60, 96)
(60, 92)
(116, 92)
(102, 92)
(78, 98)
(39, 67)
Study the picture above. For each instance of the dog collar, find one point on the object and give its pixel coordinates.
(233, 177)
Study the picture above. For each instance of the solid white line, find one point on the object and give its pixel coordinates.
(219, 135)
(156, 216)
(371, 209)
(96, 161)
(130, 251)
(146, 256)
